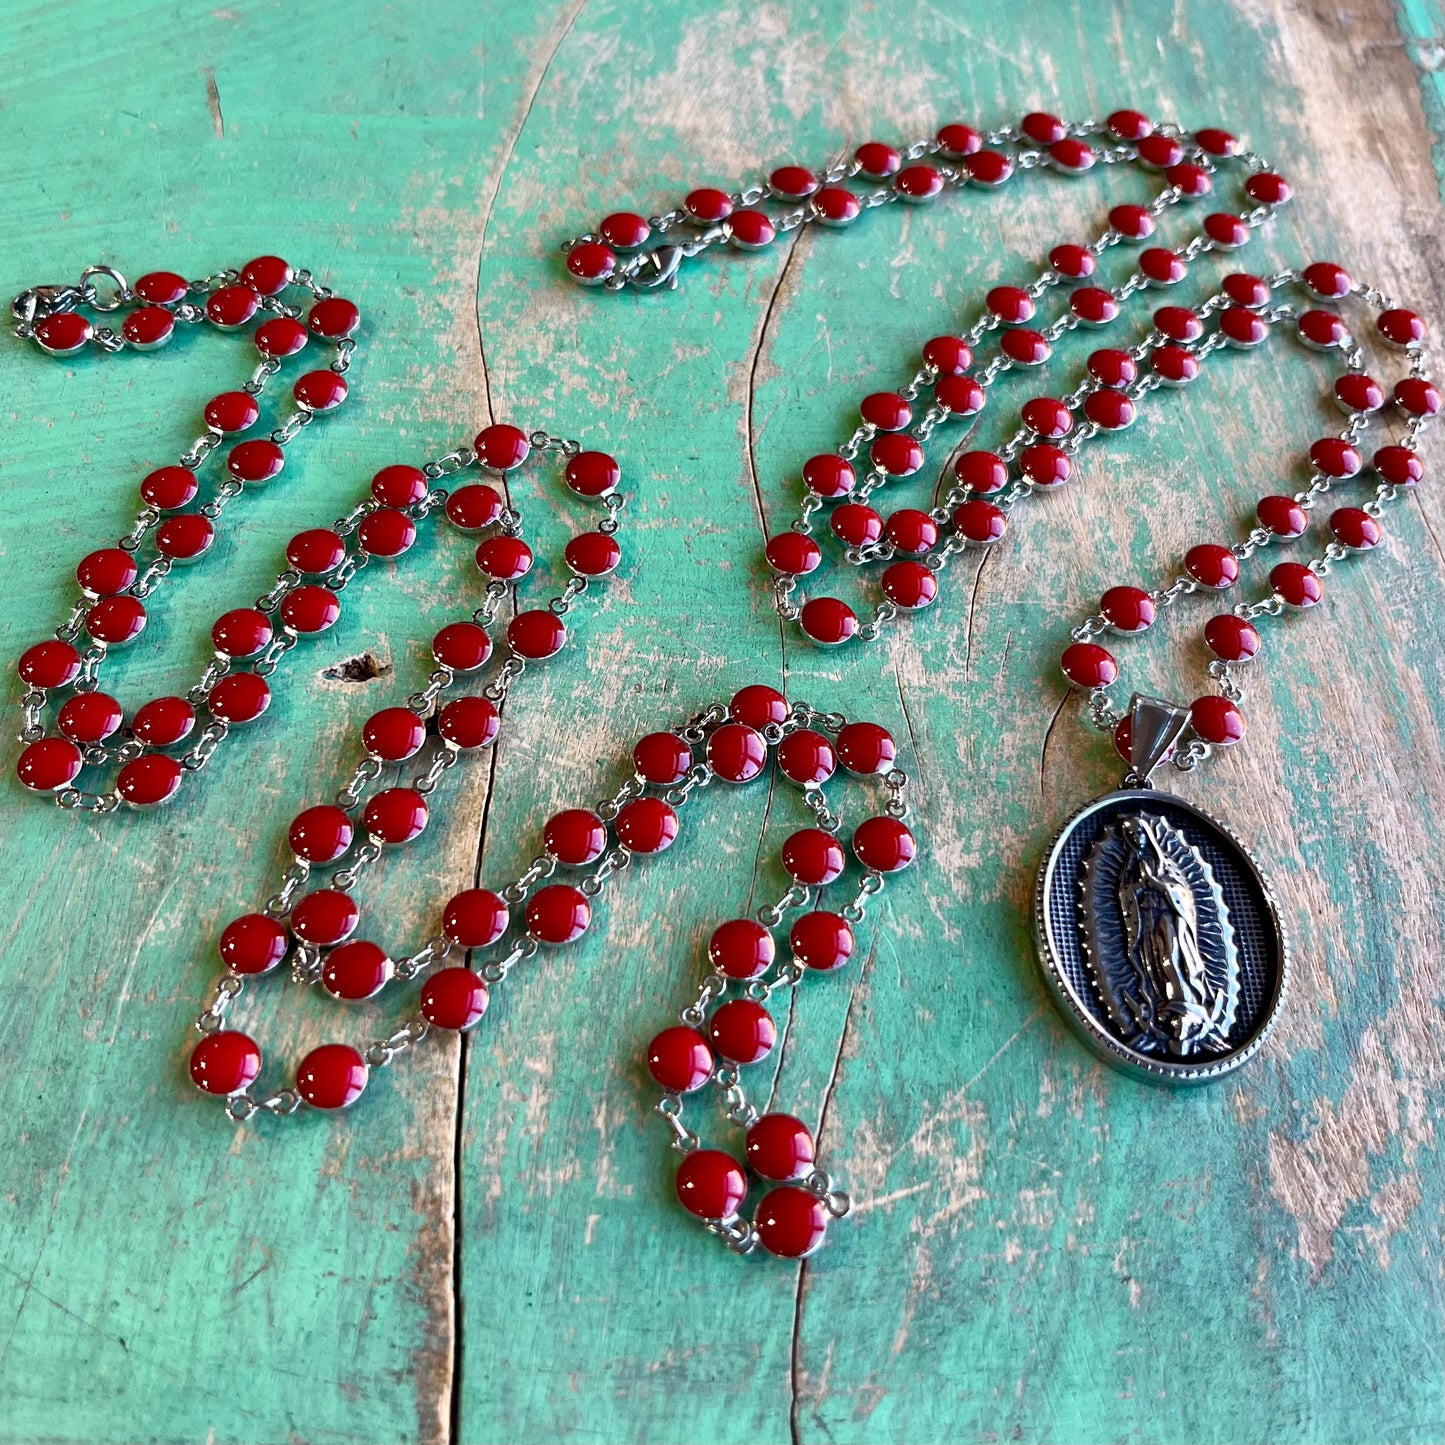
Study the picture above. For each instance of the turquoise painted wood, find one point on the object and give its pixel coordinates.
(486, 1249)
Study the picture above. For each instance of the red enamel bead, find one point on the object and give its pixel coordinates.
(711, 1184)
(1011, 304)
(1094, 306)
(793, 554)
(983, 472)
(1045, 466)
(399, 486)
(319, 391)
(242, 633)
(812, 857)
(864, 748)
(793, 183)
(1047, 417)
(1025, 348)
(821, 940)
(1416, 396)
(253, 943)
(1399, 466)
(257, 461)
(163, 721)
(475, 918)
(707, 206)
(1189, 180)
(310, 609)
(1127, 609)
(592, 554)
(468, 722)
(321, 835)
(1086, 664)
(395, 815)
(741, 948)
(1112, 368)
(536, 635)
(1072, 156)
(186, 537)
(1072, 262)
(148, 328)
(1354, 528)
(836, 206)
(1162, 266)
(592, 474)
(958, 140)
(1267, 189)
(828, 621)
(161, 288)
(1357, 392)
(918, 183)
(501, 448)
(988, 168)
(959, 395)
(462, 646)
(1159, 152)
(331, 1077)
(1129, 125)
(1282, 515)
(877, 160)
(231, 307)
(1174, 365)
(454, 998)
(1327, 280)
(575, 837)
(1216, 720)
(167, 488)
(281, 337)
(116, 620)
(49, 664)
(64, 333)
(1321, 330)
(269, 275)
(386, 532)
(1179, 323)
(886, 410)
(661, 759)
(357, 970)
(1400, 327)
(743, 1032)
(679, 1059)
(758, 705)
(737, 752)
(149, 780)
(239, 698)
(1245, 290)
(898, 454)
(317, 552)
(225, 1063)
(1133, 223)
(324, 918)
(1244, 328)
(1335, 457)
(791, 1223)
(473, 507)
(333, 318)
(828, 476)
(750, 230)
(1109, 410)
(558, 914)
(780, 1147)
(806, 758)
(624, 230)
(1212, 565)
(856, 525)
(232, 411)
(504, 559)
(1217, 142)
(1296, 584)
(911, 531)
(1228, 232)
(980, 523)
(49, 764)
(106, 572)
(911, 585)
(1042, 128)
(884, 845)
(1231, 638)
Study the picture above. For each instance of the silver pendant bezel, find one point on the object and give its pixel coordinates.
(1081, 1015)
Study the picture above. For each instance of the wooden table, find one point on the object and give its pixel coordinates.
(486, 1248)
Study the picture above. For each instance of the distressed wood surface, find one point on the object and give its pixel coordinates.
(486, 1249)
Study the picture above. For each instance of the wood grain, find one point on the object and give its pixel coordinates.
(487, 1249)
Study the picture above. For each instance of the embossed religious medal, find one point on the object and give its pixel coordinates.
(1157, 932)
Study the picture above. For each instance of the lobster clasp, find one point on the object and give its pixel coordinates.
(657, 267)
(39, 302)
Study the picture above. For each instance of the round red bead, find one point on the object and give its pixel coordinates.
(828, 621)
(320, 391)
(1094, 306)
(592, 474)
(1112, 368)
(911, 531)
(898, 454)
(1127, 609)
(48, 764)
(877, 160)
(257, 461)
(185, 538)
(828, 476)
(468, 722)
(980, 523)
(1231, 638)
(1216, 720)
(253, 943)
(163, 721)
(711, 1184)
(959, 395)
(1159, 152)
(988, 168)
(1357, 392)
(1109, 410)
(333, 318)
(310, 609)
(1217, 142)
(399, 486)
(812, 857)
(737, 752)
(806, 758)
(504, 559)
(1355, 528)
(1416, 396)
(793, 183)
(89, 717)
(1011, 304)
(537, 635)
(1072, 262)
(161, 288)
(149, 779)
(957, 141)
(501, 448)
(318, 551)
(836, 206)
(473, 507)
(1179, 323)
(225, 1063)
(394, 734)
(1190, 180)
(592, 554)
(864, 748)
(886, 410)
(750, 230)
(1296, 584)
(1025, 347)
(1242, 327)
(918, 183)
(116, 620)
(575, 837)
(281, 337)
(1282, 516)
(1174, 365)
(324, 918)
(453, 998)
(911, 585)
(331, 1077)
(1400, 327)
(148, 328)
(269, 275)
(1086, 664)
(1129, 125)
(1042, 128)
(625, 230)
(1045, 466)
(232, 411)
(106, 572)
(357, 970)
(241, 633)
(856, 525)
(395, 815)
(981, 471)
(1327, 280)
(475, 918)
(661, 759)
(793, 554)
(167, 488)
(1162, 266)
(1267, 189)
(1212, 565)
(591, 263)
(1335, 457)
(948, 355)
(1047, 417)
(462, 646)
(742, 1031)
(1320, 330)
(1072, 156)
(758, 705)
(680, 1060)
(884, 845)
(558, 914)
(741, 948)
(791, 1223)
(821, 940)
(1133, 223)
(231, 307)
(707, 205)
(49, 664)
(63, 333)
(780, 1147)
(1228, 232)
(321, 835)
(240, 698)
(1398, 465)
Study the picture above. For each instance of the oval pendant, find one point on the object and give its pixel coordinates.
(1160, 938)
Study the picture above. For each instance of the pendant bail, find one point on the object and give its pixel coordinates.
(1155, 726)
